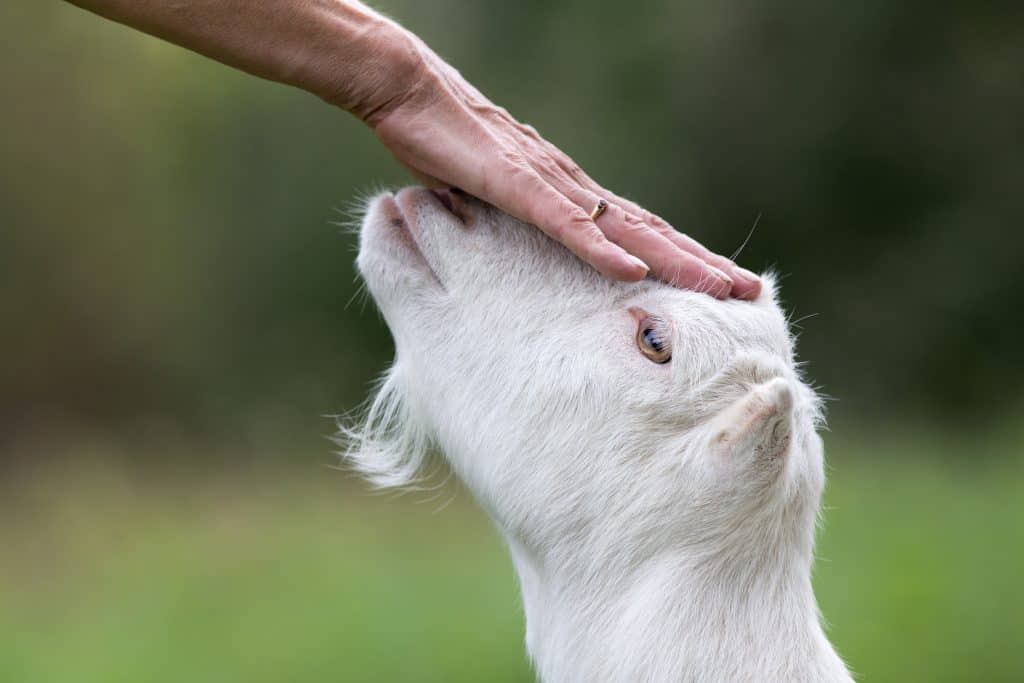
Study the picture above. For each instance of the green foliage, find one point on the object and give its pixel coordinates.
(167, 256)
(168, 268)
(294, 574)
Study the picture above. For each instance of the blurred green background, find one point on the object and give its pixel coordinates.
(178, 315)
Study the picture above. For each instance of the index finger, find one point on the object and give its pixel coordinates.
(526, 195)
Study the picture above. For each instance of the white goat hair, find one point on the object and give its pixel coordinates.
(661, 517)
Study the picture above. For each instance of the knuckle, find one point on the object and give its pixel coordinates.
(562, 220)
(514, 158)
(635, 221)
(549, 165)
(614, 231)
(626, 230)
(573, 170)
(654, 219)
(578, 217)
(529, 131)
(660, 224)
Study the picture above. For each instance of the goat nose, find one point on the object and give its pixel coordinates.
(454, 200)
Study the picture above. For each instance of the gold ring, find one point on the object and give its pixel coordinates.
(598, 209)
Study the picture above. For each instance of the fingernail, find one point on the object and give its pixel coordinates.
(720, 274)
(746, 275)
(637, 262)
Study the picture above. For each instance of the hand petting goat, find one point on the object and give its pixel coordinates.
(438, 125)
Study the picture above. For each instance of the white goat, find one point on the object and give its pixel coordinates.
(648, 453)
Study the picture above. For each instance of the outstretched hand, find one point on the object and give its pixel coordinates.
(448, 133)
(436, 123)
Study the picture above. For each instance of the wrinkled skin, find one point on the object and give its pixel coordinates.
(435, 123)
(449, 134)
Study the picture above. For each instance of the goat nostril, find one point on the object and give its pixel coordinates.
(445, 197)
(450, 202)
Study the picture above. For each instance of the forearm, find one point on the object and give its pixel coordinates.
(339, 50)
(435, 123)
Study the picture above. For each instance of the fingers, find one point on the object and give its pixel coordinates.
(512, 167)
(450, 132)
(667, 261)
(746, 285)
(568, 223)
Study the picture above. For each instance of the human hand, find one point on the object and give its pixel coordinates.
(437, 124)
(448, 134)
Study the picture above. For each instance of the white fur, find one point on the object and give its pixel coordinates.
(660, 517)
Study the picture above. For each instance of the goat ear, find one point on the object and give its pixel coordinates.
(758, 427)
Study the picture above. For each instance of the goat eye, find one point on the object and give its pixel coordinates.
(652, 341)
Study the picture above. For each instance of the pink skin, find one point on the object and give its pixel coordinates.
(449, 134)
(438, 125)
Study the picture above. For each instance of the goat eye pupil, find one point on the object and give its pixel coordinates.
(652, 340)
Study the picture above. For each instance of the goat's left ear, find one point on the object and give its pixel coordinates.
(758, 427)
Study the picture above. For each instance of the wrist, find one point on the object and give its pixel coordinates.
(367, 64)
(396, 74)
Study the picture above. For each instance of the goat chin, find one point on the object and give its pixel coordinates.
(649, 454)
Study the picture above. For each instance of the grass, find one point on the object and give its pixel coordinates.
(275, 574)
